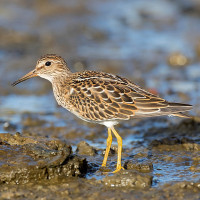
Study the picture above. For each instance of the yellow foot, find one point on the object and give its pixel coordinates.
(103, 165)
(118, 169)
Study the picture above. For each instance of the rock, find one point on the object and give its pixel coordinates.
(174, 143)
(141, 166)
(84, 148)
(26, 159)
(128, 178)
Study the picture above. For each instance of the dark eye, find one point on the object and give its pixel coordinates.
(48, 63)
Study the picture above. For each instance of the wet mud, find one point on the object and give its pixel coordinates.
(48, 153)
(24, 159)
(164, 164)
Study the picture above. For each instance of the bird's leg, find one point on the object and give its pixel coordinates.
(109, 142)
(119, 141)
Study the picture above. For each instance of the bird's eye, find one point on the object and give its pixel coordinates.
(48, 63)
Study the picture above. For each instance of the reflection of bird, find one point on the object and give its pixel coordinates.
(101, 97)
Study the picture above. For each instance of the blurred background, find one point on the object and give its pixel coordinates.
(156, 44)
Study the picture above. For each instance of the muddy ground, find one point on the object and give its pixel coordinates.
(46, 152)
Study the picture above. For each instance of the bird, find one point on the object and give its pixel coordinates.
(101, 98)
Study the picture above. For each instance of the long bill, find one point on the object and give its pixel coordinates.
(31, 74)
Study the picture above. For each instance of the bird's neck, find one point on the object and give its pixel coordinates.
(61, 88)
(59, 77)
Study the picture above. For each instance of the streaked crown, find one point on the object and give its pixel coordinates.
(51, 66)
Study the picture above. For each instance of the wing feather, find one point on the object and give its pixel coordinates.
(101, 96)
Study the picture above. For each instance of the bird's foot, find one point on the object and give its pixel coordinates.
(118, 169)
(103, 165)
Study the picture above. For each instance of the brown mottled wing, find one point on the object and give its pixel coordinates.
(101, 96)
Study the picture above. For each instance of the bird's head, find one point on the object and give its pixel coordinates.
(47, 67)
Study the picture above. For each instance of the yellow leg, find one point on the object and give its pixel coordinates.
(109, 142)
(119, 141)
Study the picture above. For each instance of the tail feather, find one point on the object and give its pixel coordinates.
(181, 107)
(183, 115)
(174, 109)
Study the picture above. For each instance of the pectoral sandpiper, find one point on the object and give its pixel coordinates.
(101, 98)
